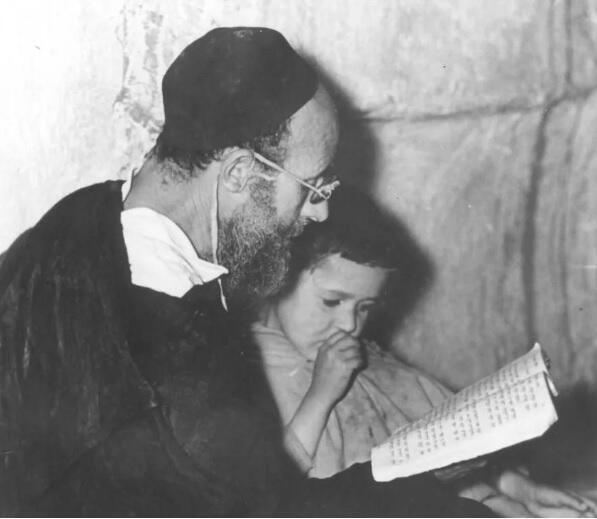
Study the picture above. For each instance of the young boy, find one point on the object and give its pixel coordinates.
(339, 394)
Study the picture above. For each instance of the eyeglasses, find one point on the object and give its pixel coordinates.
(318, 193)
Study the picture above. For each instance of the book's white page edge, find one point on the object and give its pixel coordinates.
(522, 431)
(536, 350)
(475, 448)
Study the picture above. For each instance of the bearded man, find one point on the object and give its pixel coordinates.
(126, 388)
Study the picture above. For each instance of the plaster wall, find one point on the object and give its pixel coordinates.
(471, 121)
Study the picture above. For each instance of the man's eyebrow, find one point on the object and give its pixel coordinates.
(327, 174)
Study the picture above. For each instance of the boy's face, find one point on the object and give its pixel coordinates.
(337, 294)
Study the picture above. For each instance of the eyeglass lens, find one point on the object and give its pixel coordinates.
(324, 192)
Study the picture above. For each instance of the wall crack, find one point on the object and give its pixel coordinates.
(529, 235)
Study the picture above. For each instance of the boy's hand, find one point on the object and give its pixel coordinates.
(337, 359)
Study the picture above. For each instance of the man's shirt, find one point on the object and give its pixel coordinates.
(161, 256)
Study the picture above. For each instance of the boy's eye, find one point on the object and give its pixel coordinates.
(331, 302)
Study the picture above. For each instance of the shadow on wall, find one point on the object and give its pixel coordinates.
(567, 454)
(356, 163)
(406, 288)
(357, 151)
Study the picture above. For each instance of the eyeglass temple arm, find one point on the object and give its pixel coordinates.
(273, 165)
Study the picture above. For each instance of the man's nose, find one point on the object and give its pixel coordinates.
(315, 212)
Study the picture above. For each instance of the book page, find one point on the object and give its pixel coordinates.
(502, 410)
(520, 368)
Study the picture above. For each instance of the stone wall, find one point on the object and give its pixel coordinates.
(471, 121)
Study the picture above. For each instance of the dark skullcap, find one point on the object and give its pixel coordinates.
(232, 85)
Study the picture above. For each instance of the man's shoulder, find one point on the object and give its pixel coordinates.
(79, 217)
(79, 234)
(86, 206)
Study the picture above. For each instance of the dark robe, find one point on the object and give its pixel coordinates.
(119, 400)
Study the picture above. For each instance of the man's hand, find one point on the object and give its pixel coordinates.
(337, 359)
(544, 500)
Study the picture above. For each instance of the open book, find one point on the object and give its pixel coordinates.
(511, 406)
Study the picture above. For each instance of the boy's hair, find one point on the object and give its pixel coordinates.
(356, 230)
(359, 231)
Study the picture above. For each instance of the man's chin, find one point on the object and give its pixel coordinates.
(297, 229)
(255, 288)
(257, 258)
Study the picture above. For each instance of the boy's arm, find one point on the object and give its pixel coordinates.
(335, 364)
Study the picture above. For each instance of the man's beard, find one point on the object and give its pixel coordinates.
(255, 248)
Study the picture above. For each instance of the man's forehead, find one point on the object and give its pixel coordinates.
(311, 160)
(326, 175)
(313, 135)
(314, 129)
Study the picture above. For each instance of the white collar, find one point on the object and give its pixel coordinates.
(161, 256)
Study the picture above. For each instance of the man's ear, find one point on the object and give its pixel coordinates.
(236, 168)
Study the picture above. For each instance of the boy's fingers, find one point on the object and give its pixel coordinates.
(347, 343)
(351, 357)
